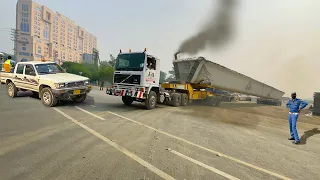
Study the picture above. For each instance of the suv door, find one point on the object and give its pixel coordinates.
(30, 77)
(18, 78)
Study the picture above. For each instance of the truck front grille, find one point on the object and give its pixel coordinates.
(124, 78)
(75, 84)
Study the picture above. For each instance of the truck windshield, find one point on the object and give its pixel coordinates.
(130, 62)
(49, 69)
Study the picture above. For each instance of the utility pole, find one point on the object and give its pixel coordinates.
(15, 38)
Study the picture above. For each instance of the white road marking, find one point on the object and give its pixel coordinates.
(101, 118)
(204, 148)
(120, 148)
(92, 106)
(228, 176)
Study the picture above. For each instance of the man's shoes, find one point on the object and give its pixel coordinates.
(296, 142)
(291, 139)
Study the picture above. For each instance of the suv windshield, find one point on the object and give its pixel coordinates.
(51, 68)
(130, 62)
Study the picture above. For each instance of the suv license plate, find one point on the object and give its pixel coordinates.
(76, 92)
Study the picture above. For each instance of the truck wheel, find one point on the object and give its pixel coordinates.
(127, 100)
(48, 98)
(176, 100)
(151, 101)
(79, 98)
(184, 99)
(166, 101)
(12, 90)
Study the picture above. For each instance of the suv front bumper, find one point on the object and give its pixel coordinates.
(66, 93)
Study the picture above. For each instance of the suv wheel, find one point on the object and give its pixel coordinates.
(12, 90)
(48, 98)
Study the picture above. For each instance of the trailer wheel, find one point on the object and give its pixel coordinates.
(151, 101)
(127, 100)
(12, 90)
(184, 99)
(176, 100)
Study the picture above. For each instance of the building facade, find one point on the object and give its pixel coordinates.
(44, 34)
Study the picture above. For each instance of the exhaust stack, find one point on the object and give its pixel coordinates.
(176, 55)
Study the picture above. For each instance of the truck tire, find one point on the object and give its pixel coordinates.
(127, 100)
(79, 98)
(176, 100)
(12, 90)
(48, 98)
(151, 101)
(166, 101)
(184, 99)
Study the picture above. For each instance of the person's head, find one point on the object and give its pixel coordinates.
(293, 95)
(9, 57)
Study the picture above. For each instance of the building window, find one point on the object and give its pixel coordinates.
(39, 49)
(24, 47)
(25, 7)
(25, 15)
(48, 16)
(46, 34)
(24, 26)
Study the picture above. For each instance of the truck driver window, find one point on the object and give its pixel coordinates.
(30, 70)
(20, 69)
(151, 63)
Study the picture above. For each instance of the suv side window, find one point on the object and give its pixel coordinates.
(20, 69)
(29, 70)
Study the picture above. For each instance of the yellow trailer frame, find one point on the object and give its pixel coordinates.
(194, 91)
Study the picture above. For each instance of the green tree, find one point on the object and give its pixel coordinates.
(106, 73)
(87, 70)
(171, 76)
(163, 76)
(112, 61)
(104, 63)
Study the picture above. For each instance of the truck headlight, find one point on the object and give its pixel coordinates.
(59, 85)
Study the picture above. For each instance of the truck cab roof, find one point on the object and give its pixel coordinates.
(146, 52)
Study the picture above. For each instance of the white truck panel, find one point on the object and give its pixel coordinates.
(201, 70)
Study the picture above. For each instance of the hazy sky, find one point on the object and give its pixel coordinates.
(277, 41)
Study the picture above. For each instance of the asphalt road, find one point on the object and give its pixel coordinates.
(103, 139)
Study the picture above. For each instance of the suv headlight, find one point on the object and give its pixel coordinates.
(59, 85)
(86, 82)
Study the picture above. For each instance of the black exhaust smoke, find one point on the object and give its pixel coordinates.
(215, 33)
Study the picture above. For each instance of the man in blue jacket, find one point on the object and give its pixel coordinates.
(294, 105)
